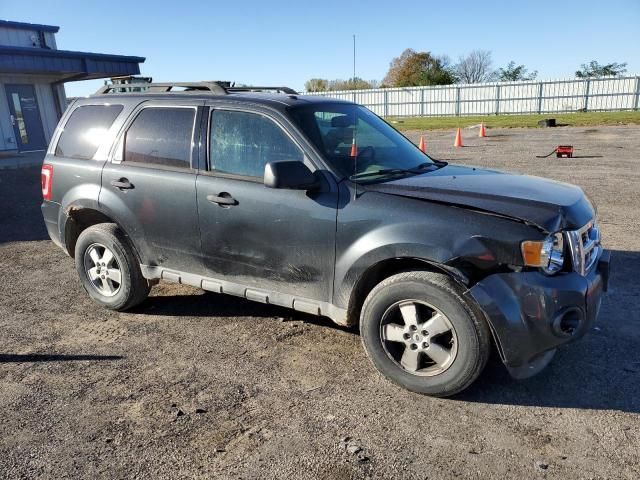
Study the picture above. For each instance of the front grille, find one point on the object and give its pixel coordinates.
(584, 245)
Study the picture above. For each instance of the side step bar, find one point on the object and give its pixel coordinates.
(314, 307)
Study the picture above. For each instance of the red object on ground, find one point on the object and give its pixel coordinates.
(458, 142)
(482, 132)
(423, 145)
(354, 149)
(565, 151)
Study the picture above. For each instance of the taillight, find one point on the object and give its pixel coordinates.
(46, 179)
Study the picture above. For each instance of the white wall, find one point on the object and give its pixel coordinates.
(548, 96)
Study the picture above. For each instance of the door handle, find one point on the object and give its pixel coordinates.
(224, 200)
(122, 184)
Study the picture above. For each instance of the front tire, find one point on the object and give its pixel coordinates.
(420, 333)
(108, 267)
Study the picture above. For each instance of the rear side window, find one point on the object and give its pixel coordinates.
(85, 130)
(161, 136)
(243, 143)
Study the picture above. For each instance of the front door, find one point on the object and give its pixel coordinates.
(25, 117)
(272, 239)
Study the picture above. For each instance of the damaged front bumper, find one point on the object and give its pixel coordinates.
(531, 314)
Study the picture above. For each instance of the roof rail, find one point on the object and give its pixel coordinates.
(247, 88)
(215, 87)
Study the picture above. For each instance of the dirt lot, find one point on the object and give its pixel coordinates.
(197, 385)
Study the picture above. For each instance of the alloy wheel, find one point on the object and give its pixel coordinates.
(102, 269)
(418, 337)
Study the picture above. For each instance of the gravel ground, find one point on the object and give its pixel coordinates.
(197, 385)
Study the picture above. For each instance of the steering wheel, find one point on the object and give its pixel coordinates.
(370, 152)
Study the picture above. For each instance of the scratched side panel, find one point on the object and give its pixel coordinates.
(277, 240)
(159, 214)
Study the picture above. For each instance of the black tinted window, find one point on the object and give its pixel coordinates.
(161, 136)
(243, 143)
(85, 130)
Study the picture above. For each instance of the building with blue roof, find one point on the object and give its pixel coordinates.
(32, 76)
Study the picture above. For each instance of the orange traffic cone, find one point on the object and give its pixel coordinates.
(423, 145)
(458, 142)
(354, 149)
(482, 132)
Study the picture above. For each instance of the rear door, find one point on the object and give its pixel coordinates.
(149, 185)
(273, 239)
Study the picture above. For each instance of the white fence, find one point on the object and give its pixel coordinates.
(549, 96)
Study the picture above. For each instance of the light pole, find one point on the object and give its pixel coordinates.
(354, 60)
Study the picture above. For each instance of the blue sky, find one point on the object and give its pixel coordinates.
(285, 43)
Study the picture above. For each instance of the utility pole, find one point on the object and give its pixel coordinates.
(354, 60)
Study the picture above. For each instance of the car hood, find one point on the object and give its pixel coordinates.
(550, 205)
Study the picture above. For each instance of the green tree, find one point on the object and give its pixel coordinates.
(594, 69)
(412, 69)
(514, 72)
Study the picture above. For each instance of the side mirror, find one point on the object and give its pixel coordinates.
(290, 174)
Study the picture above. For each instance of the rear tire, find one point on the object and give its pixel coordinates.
(420, 333)
(109, 268)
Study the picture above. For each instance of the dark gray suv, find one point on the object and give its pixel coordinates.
(320, 206)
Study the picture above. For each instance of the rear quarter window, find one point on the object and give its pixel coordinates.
(85, 130)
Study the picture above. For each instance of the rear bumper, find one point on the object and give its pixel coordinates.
(50, 214)
(532, 314)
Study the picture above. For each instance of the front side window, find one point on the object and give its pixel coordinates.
(242, 143)
(85, 130)
(341, 130)
(161, 136)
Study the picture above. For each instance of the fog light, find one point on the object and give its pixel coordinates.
(568, 322)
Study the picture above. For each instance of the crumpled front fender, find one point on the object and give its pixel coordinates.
(524, 309)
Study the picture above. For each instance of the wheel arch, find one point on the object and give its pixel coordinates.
(79, 218)
(383, 269)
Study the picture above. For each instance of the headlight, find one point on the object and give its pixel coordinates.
(547, 254)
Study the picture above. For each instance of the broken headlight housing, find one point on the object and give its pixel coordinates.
(548, 254)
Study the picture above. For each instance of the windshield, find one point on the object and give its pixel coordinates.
(357, 143)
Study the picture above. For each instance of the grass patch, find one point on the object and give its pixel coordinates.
(517, 121)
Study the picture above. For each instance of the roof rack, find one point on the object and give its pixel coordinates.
(215, 87)
(287, 90)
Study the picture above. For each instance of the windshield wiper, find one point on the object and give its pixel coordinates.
(422, 166)
(383, 171)
(392, 171)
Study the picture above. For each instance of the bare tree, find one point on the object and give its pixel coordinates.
(351, 84)
(323, 85)
(475, 67)
(316, 85)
